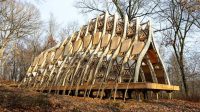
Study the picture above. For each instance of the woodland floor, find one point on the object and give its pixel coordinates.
(13, 99)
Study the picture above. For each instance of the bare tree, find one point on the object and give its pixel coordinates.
(17, 20)
(192, 70)
(133, 8)
(177, 15)
(52, 30)
(68, 30)
(52, 26)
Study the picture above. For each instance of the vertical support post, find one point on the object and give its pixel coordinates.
(170, 95)
(145, 94)
(130, 94)
(91, 94)
(138, 96)
(157, 96)
(123, 94)
(161, 94)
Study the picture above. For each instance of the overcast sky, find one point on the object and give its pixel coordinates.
(63, 10)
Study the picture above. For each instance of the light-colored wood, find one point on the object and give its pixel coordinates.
(58, 53)
(115, 42)
(137, 48)
(86, 41)
(125, 45)
(109, 53)
(37, 61)
(49, 57)
(105, 40)
(143, 52)
(68, 49)
(96, 38)
(77, 45)
(166, 76)
(1, 52)
(121, 86)
(41, 60)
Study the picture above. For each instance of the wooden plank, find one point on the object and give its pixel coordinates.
(136, 86)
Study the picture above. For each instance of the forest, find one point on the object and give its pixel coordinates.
(176, 26)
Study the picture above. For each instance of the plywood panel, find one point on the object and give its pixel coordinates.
(115, 42)
(77, 45)
(96, 38)
(105, 40)
(86, 41)
(125, 45)
(137, 48)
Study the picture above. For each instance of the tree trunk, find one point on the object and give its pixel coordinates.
(185, 86)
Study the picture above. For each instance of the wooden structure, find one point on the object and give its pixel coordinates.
(107, 56)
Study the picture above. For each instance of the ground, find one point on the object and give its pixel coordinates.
(13, 99)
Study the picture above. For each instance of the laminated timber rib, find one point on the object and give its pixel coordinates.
(106, 57)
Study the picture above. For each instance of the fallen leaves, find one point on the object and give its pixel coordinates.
(16, 100)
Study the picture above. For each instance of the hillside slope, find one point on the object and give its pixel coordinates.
(13, 99)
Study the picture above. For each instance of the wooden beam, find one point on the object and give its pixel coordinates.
(153, 73)
(121, 86)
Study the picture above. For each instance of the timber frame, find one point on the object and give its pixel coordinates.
(106, 57)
